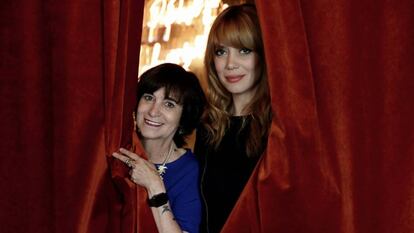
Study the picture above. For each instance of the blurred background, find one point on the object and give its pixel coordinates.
(176, 31)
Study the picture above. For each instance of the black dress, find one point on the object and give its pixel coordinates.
(224, 172)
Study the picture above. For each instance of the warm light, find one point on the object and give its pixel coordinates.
(198, 15)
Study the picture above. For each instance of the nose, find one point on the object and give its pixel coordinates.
(154, 110)
(231, 62)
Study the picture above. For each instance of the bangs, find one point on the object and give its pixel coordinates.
(229, 31)
(174, 93)
(172, 89)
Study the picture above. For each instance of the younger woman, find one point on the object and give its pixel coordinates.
(238, 117)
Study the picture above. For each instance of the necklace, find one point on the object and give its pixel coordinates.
(162, 168)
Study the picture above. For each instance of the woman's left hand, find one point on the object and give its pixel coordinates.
(142, 172)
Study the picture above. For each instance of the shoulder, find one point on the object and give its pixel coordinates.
(201, 132)
(182, 172)
(191, 159)
(187, 162)
(201, 142)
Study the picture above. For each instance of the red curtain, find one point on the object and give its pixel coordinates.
(68, 72)
(340, 155)
(341, 152)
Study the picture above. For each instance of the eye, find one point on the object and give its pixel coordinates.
(220, 52)
(147, 97)
(245, 51)
(170, 104)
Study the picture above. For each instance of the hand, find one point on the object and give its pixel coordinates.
(142, 172)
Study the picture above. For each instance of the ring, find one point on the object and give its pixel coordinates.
(129, 163)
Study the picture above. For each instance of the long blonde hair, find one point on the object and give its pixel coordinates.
(237, 26)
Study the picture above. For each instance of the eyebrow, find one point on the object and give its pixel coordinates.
(172, 99)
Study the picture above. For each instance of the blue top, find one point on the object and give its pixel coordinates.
(182, 184)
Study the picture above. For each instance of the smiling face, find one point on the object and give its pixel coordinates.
(158, 116)
(236, 69)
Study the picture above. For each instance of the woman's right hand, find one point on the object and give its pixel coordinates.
(142, 172)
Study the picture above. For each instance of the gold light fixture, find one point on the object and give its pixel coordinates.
(176, 31)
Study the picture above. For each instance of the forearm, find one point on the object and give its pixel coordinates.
(144, 173)
(164, 219)
(163, 215)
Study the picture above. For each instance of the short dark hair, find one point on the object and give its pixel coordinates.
(185, 88)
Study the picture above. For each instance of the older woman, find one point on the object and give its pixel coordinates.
(171, 102)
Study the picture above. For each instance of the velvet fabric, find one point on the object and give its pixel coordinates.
(340, 152)
(68, 74)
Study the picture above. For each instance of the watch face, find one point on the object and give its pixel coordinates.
(158, 200)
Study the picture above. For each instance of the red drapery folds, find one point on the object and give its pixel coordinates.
(68, 71)
(340, 155)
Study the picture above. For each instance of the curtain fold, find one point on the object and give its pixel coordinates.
(68, 72)
(340, 155)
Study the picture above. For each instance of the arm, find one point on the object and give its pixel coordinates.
(200, 144)
(187, 204)
(144, 174)
(163, 215)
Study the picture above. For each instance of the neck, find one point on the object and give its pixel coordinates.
(156, 150)
(240, 102)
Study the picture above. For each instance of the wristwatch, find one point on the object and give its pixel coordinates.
(158, 200)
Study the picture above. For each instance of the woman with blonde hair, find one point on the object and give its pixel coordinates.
(234, 134)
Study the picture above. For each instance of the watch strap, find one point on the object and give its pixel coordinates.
(158, 200)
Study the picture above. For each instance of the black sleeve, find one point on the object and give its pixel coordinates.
(201, 146)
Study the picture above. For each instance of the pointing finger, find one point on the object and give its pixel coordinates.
(129, 154)
(128, 161)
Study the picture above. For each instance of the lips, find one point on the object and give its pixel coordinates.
(233, 78)
(152, 123)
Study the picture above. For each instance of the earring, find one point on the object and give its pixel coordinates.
(180, 131)
(135, 122)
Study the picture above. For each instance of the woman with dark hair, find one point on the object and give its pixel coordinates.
(170, 105)
(238, 117)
